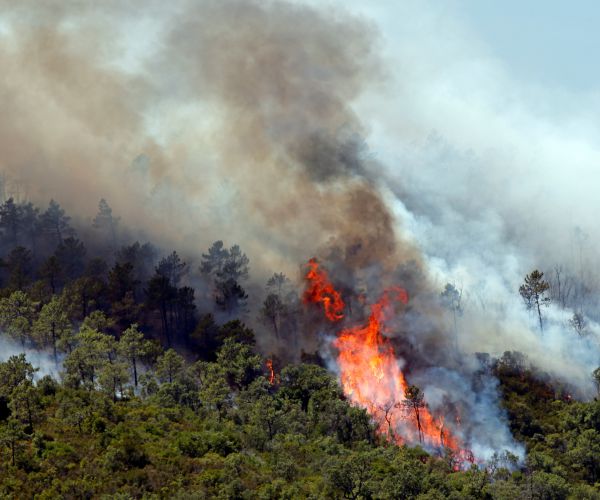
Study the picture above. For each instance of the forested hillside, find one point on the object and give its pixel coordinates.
(299, 249)
(139, 394)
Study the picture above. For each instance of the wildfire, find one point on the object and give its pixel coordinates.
(269, 364)
(320, 290)
(371, 376)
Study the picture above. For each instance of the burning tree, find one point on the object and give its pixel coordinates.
(533, 291)
(321, 291)
(370, 374)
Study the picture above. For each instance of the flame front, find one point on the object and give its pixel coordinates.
(371, 376)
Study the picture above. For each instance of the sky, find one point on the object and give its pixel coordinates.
(550, 43)
(541, 42)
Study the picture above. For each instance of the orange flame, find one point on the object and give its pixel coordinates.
(269, 364)
(320, 290)
(371, 376)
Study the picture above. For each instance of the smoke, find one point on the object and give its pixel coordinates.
(492, 178)
(41, 360)
(296, 130)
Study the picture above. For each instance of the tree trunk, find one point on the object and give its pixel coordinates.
(165, 322)
(135, 378)
(539, 314)
(419, 428)
(54, 346)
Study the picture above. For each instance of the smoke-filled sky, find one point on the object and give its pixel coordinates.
(462, 136)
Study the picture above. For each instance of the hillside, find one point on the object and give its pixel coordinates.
(113, 411)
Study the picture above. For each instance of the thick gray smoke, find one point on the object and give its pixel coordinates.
(250, 120)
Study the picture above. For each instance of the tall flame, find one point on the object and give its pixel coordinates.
(370, 373)
(320, 290)
(372, 378)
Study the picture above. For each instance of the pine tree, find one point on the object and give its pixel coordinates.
(106, 222)
(533, 291)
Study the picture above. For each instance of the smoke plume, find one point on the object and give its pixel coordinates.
(268, 123)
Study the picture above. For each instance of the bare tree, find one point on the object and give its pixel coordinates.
(561, 286)
(578, 323)
(388, 412)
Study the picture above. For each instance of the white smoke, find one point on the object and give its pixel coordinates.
(39, 359)
(490, 184)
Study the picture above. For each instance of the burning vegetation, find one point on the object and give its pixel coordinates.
(247, 115)
(370, 371)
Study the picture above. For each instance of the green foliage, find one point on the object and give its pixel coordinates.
(17, 312)
(221, 430)
(129, 420)
(52, 328)
(13, 372)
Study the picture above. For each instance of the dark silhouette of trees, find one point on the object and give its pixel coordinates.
(121, 281)
(51, 272)
(185, 310)
(10, 221)
(19, 267)
(121, 291)
(172, 268)
(272, 312)
(176, 305)
(280, 305)
(161, 295)
(30, 224)
(227, 267)
(71, 257)
(105, 222)
(55, 223)
(231, 296)
(142, 258)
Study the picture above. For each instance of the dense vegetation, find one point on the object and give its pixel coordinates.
(155, 400)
